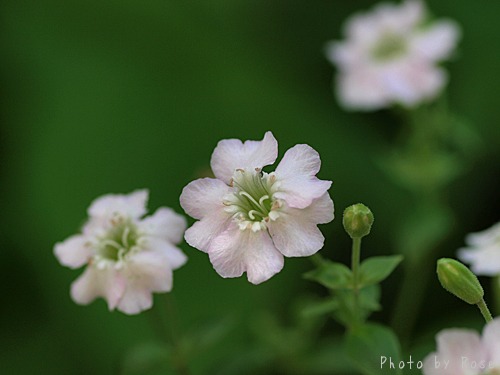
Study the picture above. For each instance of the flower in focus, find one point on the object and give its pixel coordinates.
(128, 256)
(249, 219)
(483, 253)
(390, 56)
(465, 352)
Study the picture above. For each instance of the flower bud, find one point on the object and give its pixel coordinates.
(358, 220)
(459, 280)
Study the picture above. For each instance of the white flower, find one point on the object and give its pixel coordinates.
(464, 352)
(483, 253)
(249, 219)
(390, 56)
(128, 256)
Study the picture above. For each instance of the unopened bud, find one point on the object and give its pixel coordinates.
(459, 280)
(358, 220)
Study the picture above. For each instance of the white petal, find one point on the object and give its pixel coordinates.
(483, 261)
(231, 154)
(73, 252)
(107, 283)
(146, 272)
(165, 223)
(175, 257)
(132, 205)
(201, 233)
(453, 344)
(491, 341)
(361, 89)
(295, 232)
(411, 82)
(484, 238)
(436, 42)
(296, 173)
(236, 251)
(201, 197)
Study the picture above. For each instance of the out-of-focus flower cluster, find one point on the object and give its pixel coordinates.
(390, 56)
(128, 256)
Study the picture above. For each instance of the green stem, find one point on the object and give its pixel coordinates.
(170, 331)
(485, 311)
(356, 254)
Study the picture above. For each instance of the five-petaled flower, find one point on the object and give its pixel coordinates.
(128, 256)
(390, 56)
(483, 253)
(249, 219)
(464, 352)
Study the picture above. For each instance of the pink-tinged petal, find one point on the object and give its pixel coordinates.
(411, 82)
(107, 283)
(296, 174)
(146, 272)
(483, 261)
(201, 233)
(166, 224)
(454, 344)
(362, 90)
(203, 196)
(175, 257)
(73, 252)
(295, 232)
(232, 154)
(491, 341)
(436, 42)
(132, 205)
(235, 251)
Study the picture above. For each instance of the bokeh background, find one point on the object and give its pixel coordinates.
(112, 96)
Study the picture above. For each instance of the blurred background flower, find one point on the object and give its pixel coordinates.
(111, 96)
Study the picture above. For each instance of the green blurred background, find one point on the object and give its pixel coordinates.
(111, 96)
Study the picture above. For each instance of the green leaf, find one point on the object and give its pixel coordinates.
(368, 345)
(376, 269)
(318, 308)
(150, 358)
(331, 275)
(369, 298)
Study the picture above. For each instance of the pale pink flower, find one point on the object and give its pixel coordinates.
(390, 56)
(464, 352)
(249, 219)
(128, 256)
(483, 251)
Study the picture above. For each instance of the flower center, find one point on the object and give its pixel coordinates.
(389, 47)
(252, 203)
(118, 241)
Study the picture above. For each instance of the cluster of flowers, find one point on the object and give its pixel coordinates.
(248, 221)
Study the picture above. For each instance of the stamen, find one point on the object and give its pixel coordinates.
(262, 199)
(111, 243)
(244, 193)
(125, 234)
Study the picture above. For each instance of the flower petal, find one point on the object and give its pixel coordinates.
(201, 233)
(166, 224)
(436, 42)
(231, 154)
(236, 251)
(483, 261)
(454, 344)
(146, 272)
(201, 197)
(295, 232)
(175, 257)
(107, 283)
(73, 252)
(132, 205)
(491, 341)
(296, 173)
(484, 238)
